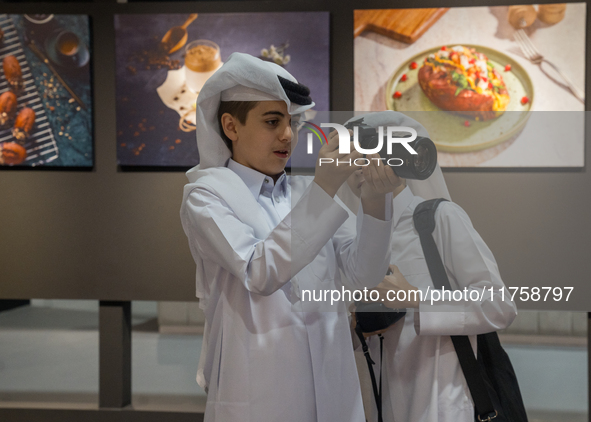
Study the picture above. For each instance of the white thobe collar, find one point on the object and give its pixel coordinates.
(400, 203)
(257, 181)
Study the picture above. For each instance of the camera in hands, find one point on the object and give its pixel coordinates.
(417, 166)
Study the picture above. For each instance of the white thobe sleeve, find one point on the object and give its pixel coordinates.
(264, 265)
(362, 247)
(470, 265)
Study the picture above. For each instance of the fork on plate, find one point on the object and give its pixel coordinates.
(533, 55)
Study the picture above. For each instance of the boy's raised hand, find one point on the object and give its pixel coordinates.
(333, 168)
(379, 177)
(394, 283)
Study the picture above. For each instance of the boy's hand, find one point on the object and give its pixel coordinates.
(379, 177)
(328, 175)
(396, 283)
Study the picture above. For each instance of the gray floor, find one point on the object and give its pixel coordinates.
(49, 358)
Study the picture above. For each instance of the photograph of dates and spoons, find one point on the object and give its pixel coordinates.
(45, 92)
(471, 74)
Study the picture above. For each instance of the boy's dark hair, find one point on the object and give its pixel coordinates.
(238, 110)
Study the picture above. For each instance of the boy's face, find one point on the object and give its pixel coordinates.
(264, 143)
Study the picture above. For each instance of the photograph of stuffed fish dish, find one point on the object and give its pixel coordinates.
(462, 80)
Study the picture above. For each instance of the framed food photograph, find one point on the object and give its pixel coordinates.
(163, 60)
(498, 87)
(45, 91)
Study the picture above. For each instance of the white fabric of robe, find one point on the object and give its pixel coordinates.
(262, 360)
(422, 379)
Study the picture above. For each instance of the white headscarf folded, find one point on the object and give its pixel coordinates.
(432, 187)
(242, 78)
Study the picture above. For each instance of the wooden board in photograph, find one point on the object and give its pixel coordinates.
(405, 25)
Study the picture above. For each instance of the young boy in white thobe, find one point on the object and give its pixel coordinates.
(258, 238)
(421, 376)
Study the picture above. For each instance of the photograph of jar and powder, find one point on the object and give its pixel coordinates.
(163, 60)
(499, 86)
(45, 91)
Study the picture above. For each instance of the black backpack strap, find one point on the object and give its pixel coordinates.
(377, 393)
(424, 222)
(380, 412)
(472, 372)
